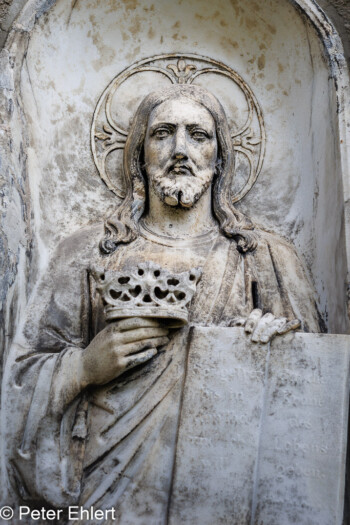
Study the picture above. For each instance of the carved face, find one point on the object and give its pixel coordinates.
(180, 151)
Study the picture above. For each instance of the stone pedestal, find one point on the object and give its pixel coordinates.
(262, 435)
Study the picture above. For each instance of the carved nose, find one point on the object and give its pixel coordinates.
(180, 150)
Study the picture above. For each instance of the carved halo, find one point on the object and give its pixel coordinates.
(108, 136)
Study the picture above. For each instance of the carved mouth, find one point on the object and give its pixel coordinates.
(180, 169)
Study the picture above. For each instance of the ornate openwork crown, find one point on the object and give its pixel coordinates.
(120, 99)
(146, 290)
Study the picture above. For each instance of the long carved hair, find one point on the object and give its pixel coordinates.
(122, 226)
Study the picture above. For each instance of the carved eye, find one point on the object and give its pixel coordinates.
(161, 133)
(199, 136)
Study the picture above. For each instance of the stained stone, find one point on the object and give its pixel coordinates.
(263, 430)
(232, 169)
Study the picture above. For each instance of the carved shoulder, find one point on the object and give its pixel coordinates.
(81, 246)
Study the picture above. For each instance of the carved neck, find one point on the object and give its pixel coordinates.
(178, 222)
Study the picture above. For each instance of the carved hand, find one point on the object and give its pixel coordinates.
(264, 327)
(120, 346)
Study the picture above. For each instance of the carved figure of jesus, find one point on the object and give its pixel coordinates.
(98, 404)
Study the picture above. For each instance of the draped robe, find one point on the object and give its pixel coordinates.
(114, 445)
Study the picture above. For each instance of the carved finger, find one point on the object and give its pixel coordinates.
(239, 321)
(133, 348)
(111, 328)
(132, 323)
(138, 359)
(263, 323)
(141, 333)
(292, 325)
(253, 320)
(272, 329)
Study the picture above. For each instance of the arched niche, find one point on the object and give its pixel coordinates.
(60, 56)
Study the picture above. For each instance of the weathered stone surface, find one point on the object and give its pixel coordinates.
(294, 184)
(99, 405)
(337, 10)
(102, 395)
(262, 432)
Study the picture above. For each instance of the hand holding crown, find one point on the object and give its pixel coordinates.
(120, 346)
(140, 305)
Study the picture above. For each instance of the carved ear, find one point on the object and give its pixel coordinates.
(98, 274)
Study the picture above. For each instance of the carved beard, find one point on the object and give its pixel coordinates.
(180, 190)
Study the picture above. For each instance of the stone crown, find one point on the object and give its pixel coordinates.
(146, 290)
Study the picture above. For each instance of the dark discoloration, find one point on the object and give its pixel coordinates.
(261, 62)
(16, 257)
(13, 260)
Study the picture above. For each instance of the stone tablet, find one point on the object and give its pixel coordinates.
(262, 436)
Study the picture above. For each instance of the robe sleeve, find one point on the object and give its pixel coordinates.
(42, 388)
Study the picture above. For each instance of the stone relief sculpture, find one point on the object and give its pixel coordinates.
(99, 364)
